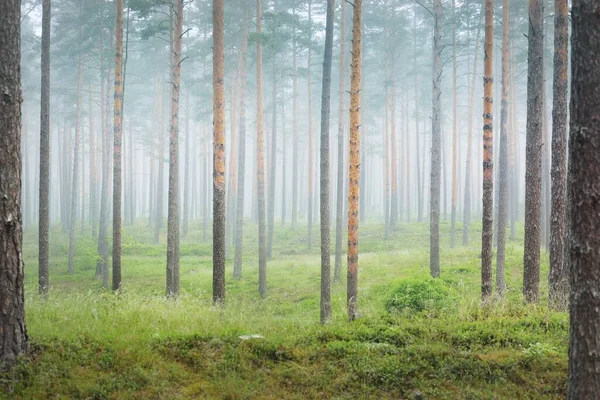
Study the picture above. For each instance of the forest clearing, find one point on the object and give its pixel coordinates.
(414, 334)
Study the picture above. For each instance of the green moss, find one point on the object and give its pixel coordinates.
(414, 333)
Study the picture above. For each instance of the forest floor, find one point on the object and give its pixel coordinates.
(414, 335)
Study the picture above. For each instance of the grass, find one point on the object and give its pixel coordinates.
(414, 335)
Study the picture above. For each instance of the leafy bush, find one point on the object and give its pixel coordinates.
(417, 295)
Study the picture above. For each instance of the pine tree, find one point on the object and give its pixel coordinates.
(218, 154)
(584, 191)
(44, 280)
(354, 160)
(14, 341)
(533, 156)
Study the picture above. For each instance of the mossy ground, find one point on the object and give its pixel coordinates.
(88, 343)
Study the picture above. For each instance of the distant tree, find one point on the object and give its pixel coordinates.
(454, 133)
(173, 213)
(12, 311)
(160, 196)
(558, 282)
(44, 280)
(436, 146)
(584, 191)
(75, 177)
(325, 114)
(103, 251)
(354, 160)
(310, 188)
(503, 157)
(260, 160)
(295, 149)
(218, 154)
(533, 152)
(117, 126)
(488, 154)
(239, 215)
(469, 161)
(339, 214)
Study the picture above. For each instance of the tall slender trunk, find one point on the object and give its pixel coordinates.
(118, 119)
(354, 160)
(239, 215)
(393, 151)
(469, 161)
(273, 166)
(584, 191)
(324, 192)
(488, 155)
(310, 192)
(260, 161)
(14, 341)
(385, 142)
(82, 137)
(74, 192)
(44, 236)
(454, 133)
(339, 214)
(93, 173)
(233, 158)
(160, 196)
(218, 154)
(283, 167)
(513, 180)
(558, 282)
(419, 171)
(295, 149)
(436, 150)
(533, 158)
(205, 184)
(103, 252)
(503, 157)
(186, 178)
(173, 208)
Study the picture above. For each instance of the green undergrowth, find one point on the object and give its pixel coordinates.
(414, 334)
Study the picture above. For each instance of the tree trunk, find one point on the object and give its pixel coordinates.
(118, 119)
(74, 192)
(339, 214)
(419, 172)
(354, 161)
(393, 152)
(160, 196)
(173, 207)
(205, 184)
(324, 192)
(186, 179)
(503, 157)
(273, 166)
(310, 133)
(103, 252)
(533, 161)
(488, 155)
(43, 276)
(239, 215)
(14, 341)
(584, 191)
(468, 168)
(218, 154)
(454, 133)
(260, 161)
(93, 173)
(558, 282)
(295, 149)
(436, 156)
